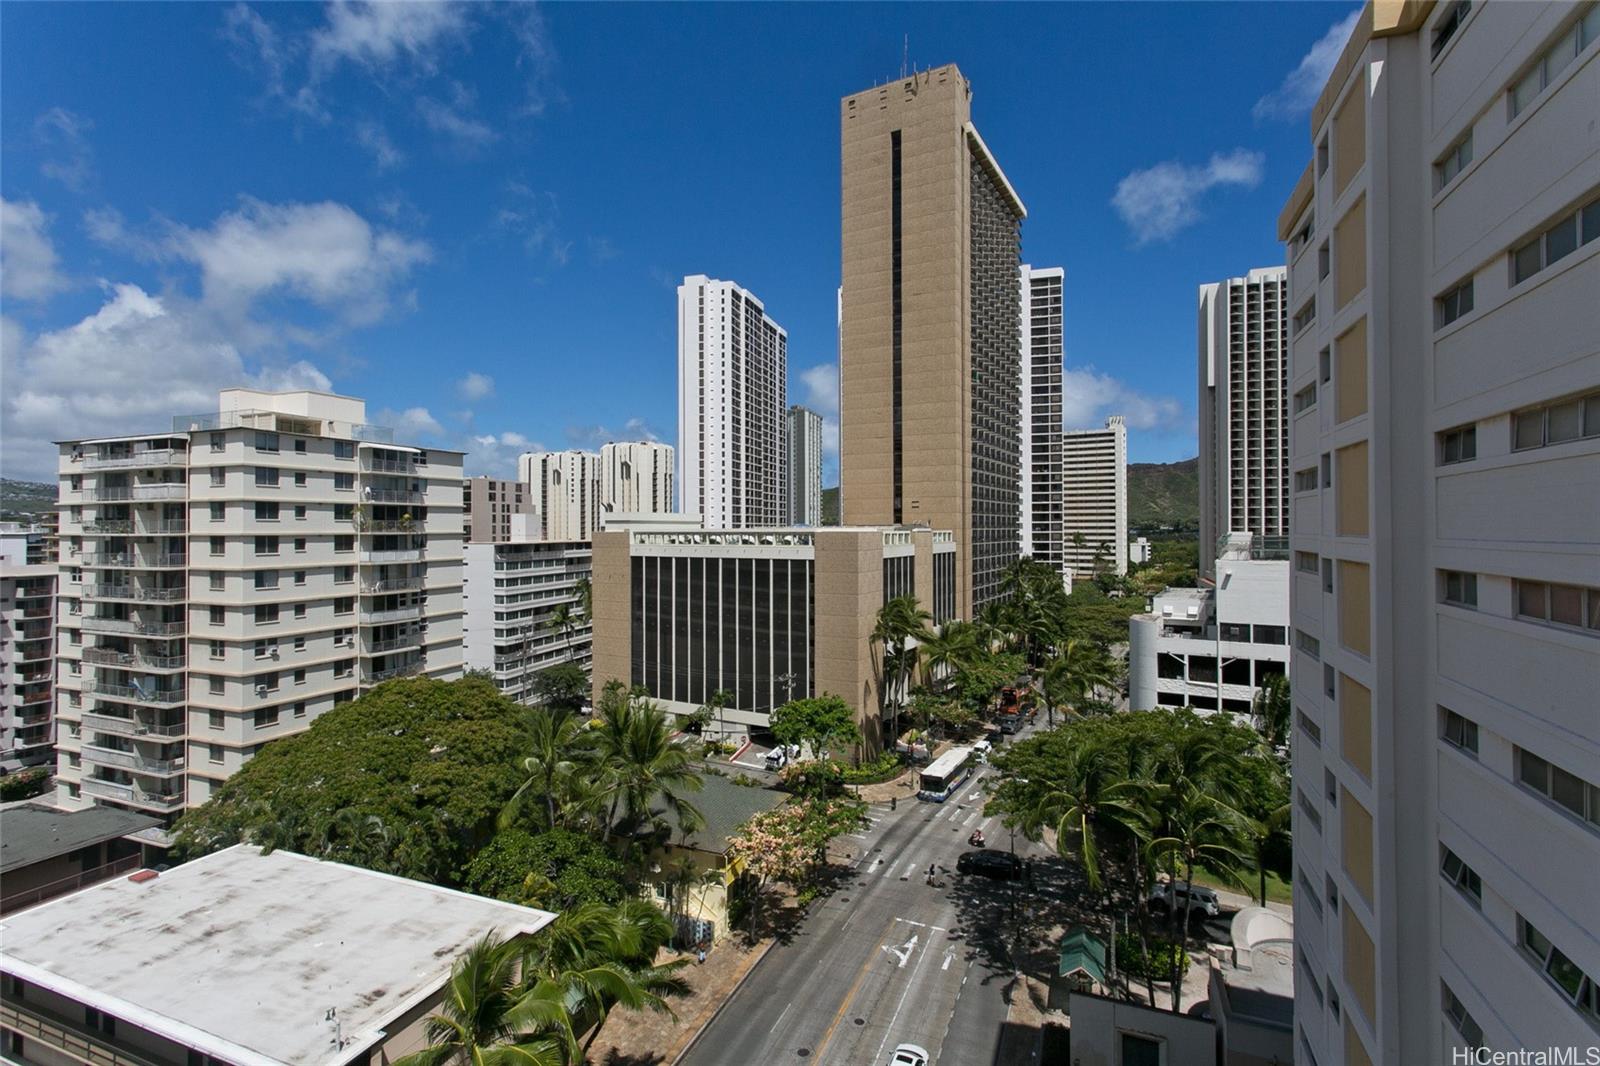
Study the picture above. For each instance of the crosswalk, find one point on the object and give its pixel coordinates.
(912, 860)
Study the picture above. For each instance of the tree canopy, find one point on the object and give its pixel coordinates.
(563, 685)
(408, 779)
(819, 722)
(554, 870)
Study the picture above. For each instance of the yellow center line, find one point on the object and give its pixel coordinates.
(855, 986)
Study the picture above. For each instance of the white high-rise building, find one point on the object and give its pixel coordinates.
(733, 373)
(805, 466)
(565, 490)
(27, 649)
(511, 628)
(1444, 267)
(636, 477)
(1094, 499)
(1041, 415)
(1244, 409)
(226, 581)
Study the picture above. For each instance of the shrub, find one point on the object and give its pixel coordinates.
(883, 768)
(24, 785)
(1156, 963)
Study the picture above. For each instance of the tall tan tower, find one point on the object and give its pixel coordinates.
(930, 355)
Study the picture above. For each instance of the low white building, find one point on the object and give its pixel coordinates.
(512, 594)
(1242, 623)
(239, 957)
(1139, 550)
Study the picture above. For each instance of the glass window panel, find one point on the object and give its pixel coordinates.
(1564, 422)
(1526, 261)
(1535, 772)
(1594, 608)
(1566, 605)
(1561, 54)
(1534, 940)
(1529, 432)
(1565, 972)
(1591, 216)
(1469, 443)
(1561, 239)
(1531, 599)
(1567, 790)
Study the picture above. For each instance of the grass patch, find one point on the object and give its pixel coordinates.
(1278, 890)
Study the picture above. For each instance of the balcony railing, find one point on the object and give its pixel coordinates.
(139, 593)
(118, 559)
(38, 612)
(60, 888)
(389, 525)
(410, 640)
(273, 420)
(114, 527)
(132, 660)
(32, 634)
(391, 584)
(388, 466)
(132, 794)
(169, 491)
(135, 694)
(153, 457)
(397, 555)
(42, 696)
(129, 726)
(94, 624)
(388, 673)
(392, 496)
(131, 760)
(397, 614)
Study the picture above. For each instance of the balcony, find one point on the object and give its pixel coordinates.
(167, 491)
(108, 527)
(108, 559)
(131, 760)
(153, 458)
(389, 525)
(38, 612)
(133, 795)
(94, 624)
(136, 593)
(392, 496)
(31, 634)
(373, 465)
(398, 614)
(397, 555)
(41, 697)
(392, 584)
(155, 696)
(133, 660)
(129, 726)
(409, 640)
(389, 673)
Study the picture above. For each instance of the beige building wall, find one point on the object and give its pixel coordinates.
(849, 591)
(489, 505)
(612, 610)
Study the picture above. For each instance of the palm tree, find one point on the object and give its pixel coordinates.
(634, 746)
(993, 624)
(948, 648)
(1095, 794)
(585, 590)
(485, 1018)
(562, 619)
(1260, 836)
(1270, 709)
(1081, 668)
(899, 621)
(559, 754)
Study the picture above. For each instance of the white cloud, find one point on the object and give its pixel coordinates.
(820, 389)
(69, 158)
(411, 424)
(1159, 202)
(379, 34)
(496, 454)
(29, 269)
(324, 253)
(475, 386)
(531, 216)
(375, 139)
(639, 429)
(1089, 396)
(128, 367)
(450, 122)
(591, 437)
(1300, 88)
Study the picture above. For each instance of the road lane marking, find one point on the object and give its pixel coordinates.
(855, 986)
(904, 951)
(948, 955)
(910, 983)
(923, 925)
(780, 1017)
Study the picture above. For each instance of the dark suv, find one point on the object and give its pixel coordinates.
(1001, 865)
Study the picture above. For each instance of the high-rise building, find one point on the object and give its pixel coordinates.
(1244, 409)
(930, 354)
(565, 490)
(805, 466)
(27, 649)
(1041, 415)
(488, 506)
(226, 581)
(512, 627)
(733, 391)
(636, 477)
(1444, 260)
(1094, 499)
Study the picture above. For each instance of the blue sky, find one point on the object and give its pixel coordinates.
(475, 217)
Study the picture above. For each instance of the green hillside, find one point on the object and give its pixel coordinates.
(20, 499)
(830, 506)
(1164, 494)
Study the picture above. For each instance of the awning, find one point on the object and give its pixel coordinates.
(1082, 953)
(388, 447)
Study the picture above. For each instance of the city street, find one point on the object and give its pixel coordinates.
(887, 958)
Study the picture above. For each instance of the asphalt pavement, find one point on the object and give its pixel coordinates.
(887, 958)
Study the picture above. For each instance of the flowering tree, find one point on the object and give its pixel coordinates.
(789, 843)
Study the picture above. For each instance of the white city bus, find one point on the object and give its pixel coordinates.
(940, 780)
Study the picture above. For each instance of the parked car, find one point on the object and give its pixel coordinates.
(909, 1055)
(777, 759)
(982, 749)
(1009, 723)
(1202, 901)
(1001, 865)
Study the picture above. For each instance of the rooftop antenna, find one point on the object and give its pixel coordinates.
(905, 55)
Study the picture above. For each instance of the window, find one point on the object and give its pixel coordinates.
(1235, 632)
(1556, 423)
(300, 709)
(1471, 1032)
(266, 649)
(1325, 365)
(1305, 562)
(1461, 875)
(1308, 644)
(217, 440)
(219, 581)
(214, 752)
(1452, 304)
(1459, 732)
(217, 616)
(1452, 162)
(1327, 576)
(219, 512)
(266, 614)
(1140, 1050)
(1309, 810)
(1330, 787)
(1447, 26)
(216, 720)
(1330, 684)
(300, 445)
(266, 442)
(1327, 470)
(300, 479)
(1460, 588)
(299, 610)
(1322, 157)
(344, 542)
(1306, 398)
(218, 649)
(344, 668)
(1306, 315)
(1554, 60)
(1311, 978)
(344, 575)
(266, 511)
(1562, 605)
(299, 577)
(1333, 894)
(1311, 729)
(266, 579)
(300, 545)
(1560, 787)
(218, 477)
(299, 512)
(1458, 445)
(219, 545)
(299, 643)
(344, 482)
(267, 717)
(216, 686)
(300, 676)
(344, 512)
(344, 605)
(1305, 480)
(1278, 635)
(344, 449)
(1577, 986)
(1324, 260)
(1563, 237)
(266, 477)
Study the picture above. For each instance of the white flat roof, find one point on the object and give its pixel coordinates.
(241, 954)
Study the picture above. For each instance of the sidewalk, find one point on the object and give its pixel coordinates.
(645, 1038)
(902, 788)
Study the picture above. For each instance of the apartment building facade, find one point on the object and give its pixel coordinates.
(804, 430)
(525, 610)
(227, 581)
(930, 346)
(733, 394)
(564, 488)
(1040, 423)
(1244, 408)
(1094, 499)
(637, 477)
(488, 506)
(27, 653)
(1444, 259)
(767, 615)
